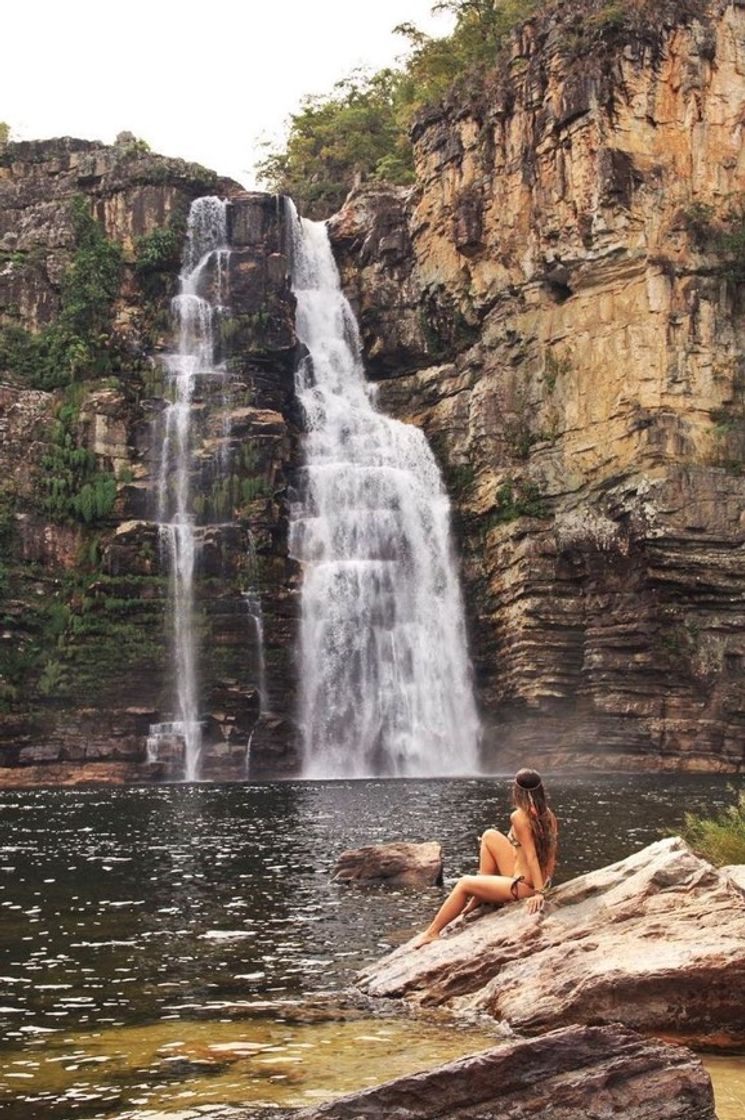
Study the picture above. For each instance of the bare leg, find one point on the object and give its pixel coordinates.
(486, 888)
(496, 854)
(496, 857)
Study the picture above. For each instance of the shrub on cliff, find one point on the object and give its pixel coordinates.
(361, 129)
(74, 488)
(352, 131)
(77, 345)
(720, 839)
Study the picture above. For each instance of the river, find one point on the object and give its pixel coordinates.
(151, 937)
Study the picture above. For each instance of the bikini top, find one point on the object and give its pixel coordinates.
(513, 839)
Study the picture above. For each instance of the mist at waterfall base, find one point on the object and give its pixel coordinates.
(384, 672)
(144, 926)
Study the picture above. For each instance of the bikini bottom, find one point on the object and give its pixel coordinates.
(514, 888)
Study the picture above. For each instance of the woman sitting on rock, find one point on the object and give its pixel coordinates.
(518, 865)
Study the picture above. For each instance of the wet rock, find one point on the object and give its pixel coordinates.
(655, 942)
(592, 1073)
(396, 865)
(77, 774)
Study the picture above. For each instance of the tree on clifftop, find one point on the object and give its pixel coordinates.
(361, 129)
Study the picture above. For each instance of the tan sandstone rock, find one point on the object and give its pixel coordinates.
(655, 942)
(397, 865)
(580, 1073)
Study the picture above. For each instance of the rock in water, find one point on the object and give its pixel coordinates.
(397, 865)
(655, 942)
(579, 1073)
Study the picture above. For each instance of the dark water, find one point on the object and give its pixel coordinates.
(129, 907)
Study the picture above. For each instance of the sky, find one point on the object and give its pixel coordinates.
(207, 82)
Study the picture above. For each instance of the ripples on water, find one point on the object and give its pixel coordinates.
(126, 907)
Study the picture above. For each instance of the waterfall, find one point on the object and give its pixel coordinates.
(204, 264)
(385, 677)
(252, 600)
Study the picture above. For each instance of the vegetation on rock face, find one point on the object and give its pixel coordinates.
(77, 346)
(361, 129)
(720, 839)
(722, 236)
(516, 498)
(75, 489)
(591, 26)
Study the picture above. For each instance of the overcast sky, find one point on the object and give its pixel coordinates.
(206, 82)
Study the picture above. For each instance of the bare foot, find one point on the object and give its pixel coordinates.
(425, 938)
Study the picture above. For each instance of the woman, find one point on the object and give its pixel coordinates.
(512, 867)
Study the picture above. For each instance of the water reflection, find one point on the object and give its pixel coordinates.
(129, 908)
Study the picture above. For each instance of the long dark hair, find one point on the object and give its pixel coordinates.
(529, 794)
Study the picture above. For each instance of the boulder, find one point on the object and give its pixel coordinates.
(397, 865)
(578, 1073)
(655, 942)
(736, 873)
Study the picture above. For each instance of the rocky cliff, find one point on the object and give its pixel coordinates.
(558, 303)
(85, 665)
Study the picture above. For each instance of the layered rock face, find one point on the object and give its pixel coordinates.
(558, 304)
(85, 661)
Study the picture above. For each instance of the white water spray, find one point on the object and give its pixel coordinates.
(385, 678)
(206, 244)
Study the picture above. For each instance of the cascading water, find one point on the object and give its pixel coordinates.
(385, 677)
(206, 244)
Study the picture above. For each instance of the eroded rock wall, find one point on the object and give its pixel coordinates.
(85, 664)
(558, 305)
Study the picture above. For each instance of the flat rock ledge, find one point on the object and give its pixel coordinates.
(579, 1073)
(655, 942)
(396, 865)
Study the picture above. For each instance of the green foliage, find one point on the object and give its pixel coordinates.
(75, 490)
(7, 519)
(52, 679)
(555, 366)
(729, 420)
(460, 479)
(720, 839)
(436, 64)
(596, 25)
(354, 131)
(229, 494)
(92, 633)
(131, 145)
(159, 251)
(724, 237)
(698, 219)
(515, 499)
(253, 488)
(4, 133)
(361, 129)
(77, 346)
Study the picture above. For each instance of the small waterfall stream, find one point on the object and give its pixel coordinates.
(385, 676)
(194, 315)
